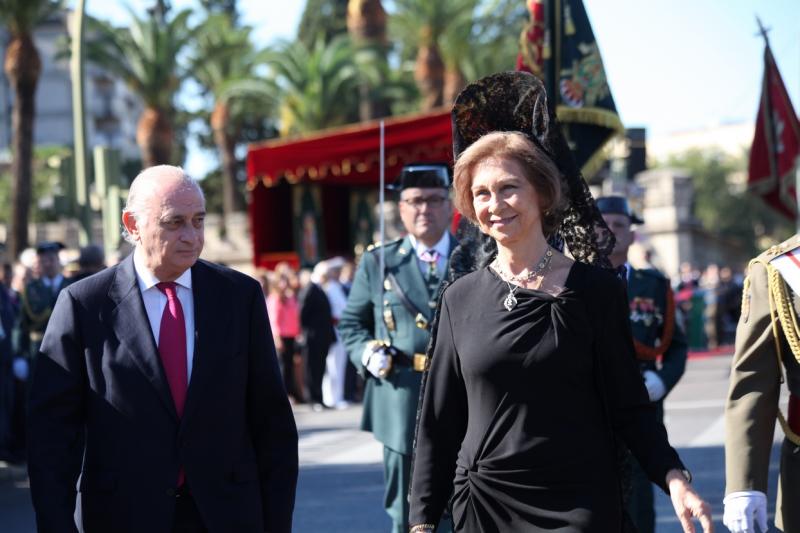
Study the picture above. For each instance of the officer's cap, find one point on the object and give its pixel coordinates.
(617, 205)
(48, 247)
(423, 175)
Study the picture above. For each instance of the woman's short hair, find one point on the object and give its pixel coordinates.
(536, 165)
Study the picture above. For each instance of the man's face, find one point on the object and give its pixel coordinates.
(170, 231)
(620, 226)
(49, 266)
(425, 213)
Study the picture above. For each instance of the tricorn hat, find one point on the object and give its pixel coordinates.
(617, 205)
(423, 175)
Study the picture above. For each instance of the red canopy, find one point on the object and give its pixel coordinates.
(337, 160)
(349, 155)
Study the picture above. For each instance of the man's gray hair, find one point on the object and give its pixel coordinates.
(142, 189)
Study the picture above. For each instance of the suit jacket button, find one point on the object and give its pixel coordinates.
(171, 492)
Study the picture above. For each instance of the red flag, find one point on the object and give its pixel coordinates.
(776, 143)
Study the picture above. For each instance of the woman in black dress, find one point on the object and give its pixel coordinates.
(532, 372)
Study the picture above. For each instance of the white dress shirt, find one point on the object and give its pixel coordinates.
(442, 247)
(155, 301)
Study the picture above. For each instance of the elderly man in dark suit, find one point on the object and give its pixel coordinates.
(157, 390)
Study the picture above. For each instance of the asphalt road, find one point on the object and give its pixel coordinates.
(340, 487)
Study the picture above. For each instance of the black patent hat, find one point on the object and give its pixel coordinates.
(617, 205)
(424, 176)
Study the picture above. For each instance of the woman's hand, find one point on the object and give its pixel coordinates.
(688, 504)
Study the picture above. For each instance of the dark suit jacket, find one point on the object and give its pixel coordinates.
(315, 317)
(99, 380)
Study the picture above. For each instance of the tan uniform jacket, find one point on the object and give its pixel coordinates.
(752, 405)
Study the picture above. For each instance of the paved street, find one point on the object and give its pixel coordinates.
(340, 486)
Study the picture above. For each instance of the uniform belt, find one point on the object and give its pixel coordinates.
(794, 413)
(418, 361)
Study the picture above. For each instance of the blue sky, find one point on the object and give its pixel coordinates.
(672, 65)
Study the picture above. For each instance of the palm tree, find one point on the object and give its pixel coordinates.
(318, 85)
(23, 67)
(146, 56)
(224, 64)
(421, 25)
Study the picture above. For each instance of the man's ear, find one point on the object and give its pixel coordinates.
(131, 224)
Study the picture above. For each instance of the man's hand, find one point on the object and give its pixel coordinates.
(655, 386)
(377, 359)
(744, 509)
(688, 504)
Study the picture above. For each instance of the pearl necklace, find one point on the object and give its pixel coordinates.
(510, 300)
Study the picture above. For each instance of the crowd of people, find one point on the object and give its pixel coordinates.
(28, 291)
(304, 309)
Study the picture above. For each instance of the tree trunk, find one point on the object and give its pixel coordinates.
(226, 144)
(366, 24)
(23, 67)
(154, 135)
(429, 75)
(454, 82)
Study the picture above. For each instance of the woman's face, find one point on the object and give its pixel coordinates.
(506, 204)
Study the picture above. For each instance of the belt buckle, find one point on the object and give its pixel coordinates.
(420, 362)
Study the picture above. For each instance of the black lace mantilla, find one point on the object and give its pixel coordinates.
(516, 101)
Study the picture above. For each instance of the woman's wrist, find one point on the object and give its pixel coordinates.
(680, 474)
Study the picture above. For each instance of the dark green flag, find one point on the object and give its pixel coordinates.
(558, 45)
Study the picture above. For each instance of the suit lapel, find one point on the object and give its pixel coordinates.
(211, 332)
(132, 327)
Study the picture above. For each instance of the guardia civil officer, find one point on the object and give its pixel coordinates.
(767, 356)
(385, 325)
(656, 336)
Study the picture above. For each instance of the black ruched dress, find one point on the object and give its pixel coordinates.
(521, 408)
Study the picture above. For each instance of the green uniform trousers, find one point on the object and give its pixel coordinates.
(397, 477)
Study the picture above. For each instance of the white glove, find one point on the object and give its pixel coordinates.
(655, 386)
(20, 368)
(742, 507)
(375, 360)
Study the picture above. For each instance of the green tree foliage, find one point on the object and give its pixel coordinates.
(322, 17)
(723, 205)
(222, 7)
(318, 86)
(46, 186)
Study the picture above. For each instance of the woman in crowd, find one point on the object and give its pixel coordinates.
(284, 315)
(532, 374)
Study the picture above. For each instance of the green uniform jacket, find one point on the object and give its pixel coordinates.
(752, 405)
(390, 405)
(647, 298)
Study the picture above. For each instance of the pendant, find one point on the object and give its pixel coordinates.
(510, 301)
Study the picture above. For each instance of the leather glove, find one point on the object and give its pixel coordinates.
(377, 359)
(743, 508)
(655, 386)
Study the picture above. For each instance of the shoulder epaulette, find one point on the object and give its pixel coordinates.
(376, 245)
(779, 249)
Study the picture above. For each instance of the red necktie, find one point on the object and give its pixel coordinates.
(172, 349)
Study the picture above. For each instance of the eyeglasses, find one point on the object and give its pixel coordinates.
(418, 201)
